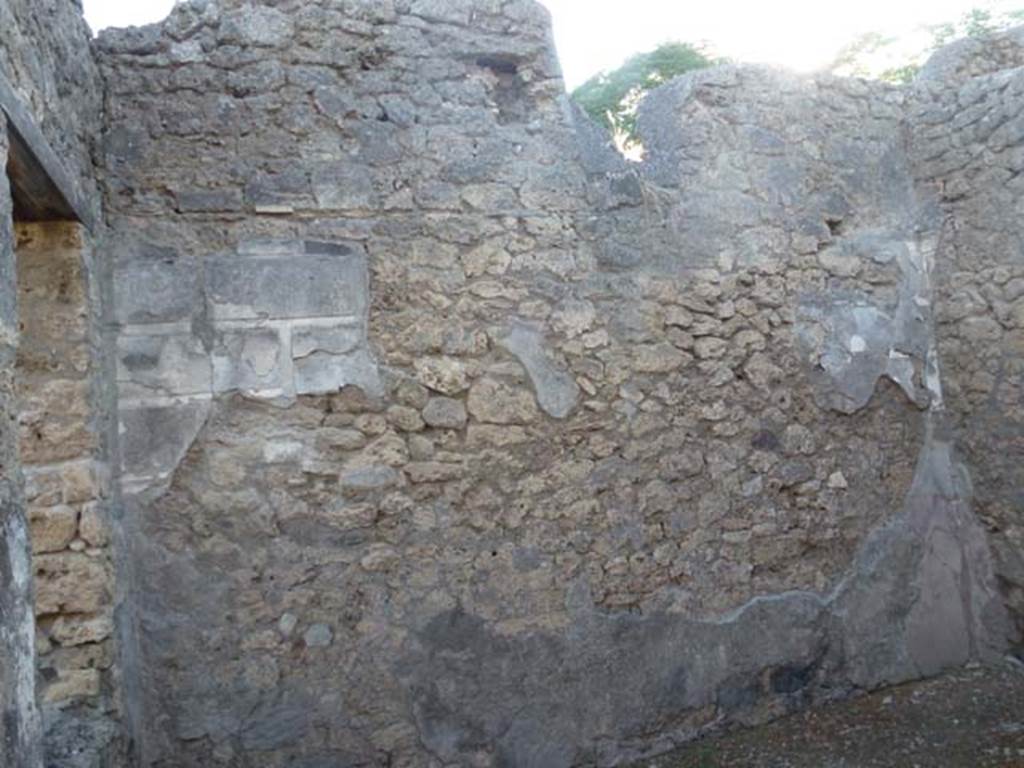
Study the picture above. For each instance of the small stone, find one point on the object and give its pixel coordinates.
(709, 347)
(79, 483)
(445, 413)
(442, 374)
(287, 623)
(678, 317)
(657, 358)
(793, 473)
(489, 258)
(77, 630)
(574, 318)
(266, 27)
(404, 418)
(432, 472)
(368, 478)
(318, 636)
(798, 439)
(839, 263)
(381, 557)
(838, 481)
(753, 486)
(372, 424)
(91, 526)
(411, 393)
(421, 447)
(492, 436)
(493, 402)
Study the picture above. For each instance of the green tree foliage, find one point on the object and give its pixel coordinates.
(856, 58)
(611, 98)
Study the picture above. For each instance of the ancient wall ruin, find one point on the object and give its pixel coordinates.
(446, 436)
(50, 94)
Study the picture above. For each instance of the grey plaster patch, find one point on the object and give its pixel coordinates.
(327, 358)
(333, 339)
(321, 372)
(856, 342)
(155, 438)
(300, 286)
(959, 613)
(277, 724)
(653, 664)
(167, 364)
(156, 290)
(556, 390)
(249, 359)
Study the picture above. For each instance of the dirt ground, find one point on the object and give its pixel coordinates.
(970, 718)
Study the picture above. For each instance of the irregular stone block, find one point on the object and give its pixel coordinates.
(257, 26)
(92, 526)
(54, 422)
(52, 528)
(78, 630)
(69, 582)
(369, 478)
(494, 402)
(405, 419)
(432, 471)
(79, 482)
(442, 374)
(343, 186)
(290, 287)
(279, 193)
(445, 413)
(248, 360)
(172, 365)
(73, 684)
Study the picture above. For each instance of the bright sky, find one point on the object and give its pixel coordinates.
(599, 34)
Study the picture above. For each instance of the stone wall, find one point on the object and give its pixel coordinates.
(67, 491)
(45, 55)
(449, 437)
(51, 97)
(20, 730)
(397, 420)
(970, 151)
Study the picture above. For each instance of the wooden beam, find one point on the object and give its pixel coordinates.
(41, 187)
